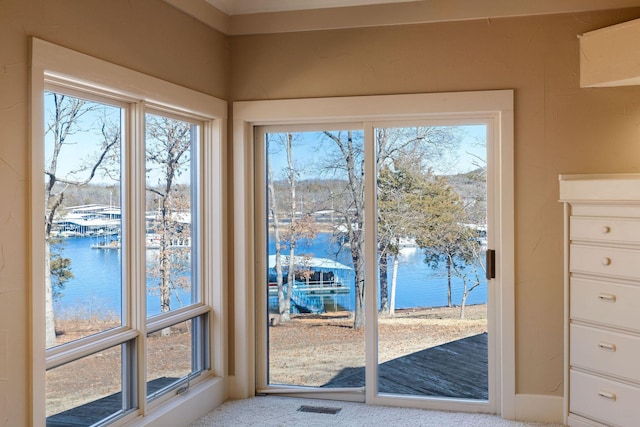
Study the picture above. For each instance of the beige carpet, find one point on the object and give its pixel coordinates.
(272, 411)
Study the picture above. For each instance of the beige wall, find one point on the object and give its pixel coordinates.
(559, 128)
(145, 35)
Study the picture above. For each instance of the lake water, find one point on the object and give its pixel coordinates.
(96, 283)
(417, 284)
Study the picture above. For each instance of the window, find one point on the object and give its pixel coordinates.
(126, 269)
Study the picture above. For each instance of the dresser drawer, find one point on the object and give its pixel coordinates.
(604, 400)
(614, 230)
(604, 302)
(605, 351)
(577, 421)
(615, 262)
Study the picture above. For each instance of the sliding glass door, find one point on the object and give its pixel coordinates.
(394, 213)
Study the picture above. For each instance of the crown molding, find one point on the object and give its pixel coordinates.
(204, 12)
(414, 12)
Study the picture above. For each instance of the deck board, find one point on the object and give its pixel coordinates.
(97, 410)
(458, 369)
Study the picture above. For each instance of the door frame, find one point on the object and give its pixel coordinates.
(495, 107)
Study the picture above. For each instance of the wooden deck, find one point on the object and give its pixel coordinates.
(458, 369)
(97, 410)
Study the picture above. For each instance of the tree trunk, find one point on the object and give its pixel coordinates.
(291, 278)
(278, 246)
(358, 266)
(449, 266)
(358, 320)
(165, 264)
(463, 303)
(354, 221)
(384, 282)
(394, 281)
(50, 322)
(292, 188)
(279, 281)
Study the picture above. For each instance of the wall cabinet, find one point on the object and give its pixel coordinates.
(602, 299)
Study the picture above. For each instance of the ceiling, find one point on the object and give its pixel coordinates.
(241, 17)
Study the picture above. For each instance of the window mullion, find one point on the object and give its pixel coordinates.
(134, 251)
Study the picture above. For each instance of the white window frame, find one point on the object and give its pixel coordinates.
(496, 107)
(62, 67)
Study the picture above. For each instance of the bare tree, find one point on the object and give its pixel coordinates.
(275, 219)
(471, 275)
(63, 122)
(420, 144)
(299, 227)
(292, 232)
(168, 154)
(350, 161)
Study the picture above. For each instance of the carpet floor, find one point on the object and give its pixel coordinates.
(273, 411)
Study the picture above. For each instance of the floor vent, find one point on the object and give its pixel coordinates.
(319, 409)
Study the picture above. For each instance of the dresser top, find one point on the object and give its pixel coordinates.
(600, 187)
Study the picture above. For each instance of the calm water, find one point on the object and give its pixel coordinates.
(96, 282)
(95, 287)
(417, 284)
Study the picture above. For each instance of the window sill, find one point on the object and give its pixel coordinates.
(185, 408)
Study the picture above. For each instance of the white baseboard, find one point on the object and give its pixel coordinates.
(540, 408)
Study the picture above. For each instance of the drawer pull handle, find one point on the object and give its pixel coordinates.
(607, 346)
(607, 297)
(606, 261)
(606, 229)
(607, 395)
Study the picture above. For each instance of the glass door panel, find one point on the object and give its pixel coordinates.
(314, 258)
(431, 237)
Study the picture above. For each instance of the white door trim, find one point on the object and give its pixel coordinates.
(491, 105)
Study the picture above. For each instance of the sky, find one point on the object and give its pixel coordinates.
(308, 149)
(82, 146)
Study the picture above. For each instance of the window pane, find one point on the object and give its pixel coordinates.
(315, 257)
(170, 205)
(82, 217)
(175, 353)
(432, 223)
(86, 391)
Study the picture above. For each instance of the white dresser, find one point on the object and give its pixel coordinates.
(602, 299)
